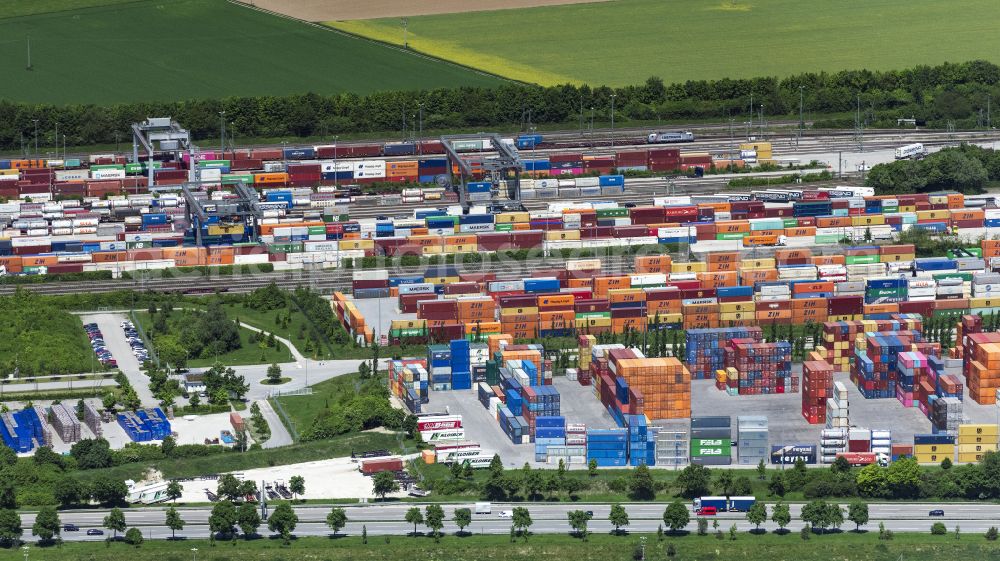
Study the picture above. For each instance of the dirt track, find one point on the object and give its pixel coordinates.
(329, 10)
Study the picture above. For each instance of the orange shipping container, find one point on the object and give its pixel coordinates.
(723, 257)
(800, 232)
(618, 296)
(818, 260)
(555, 301)
(833, 221)
(270, 178)
(732, 226)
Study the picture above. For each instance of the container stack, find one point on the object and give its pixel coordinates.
(513, 426)
(761, 368)
(461, 365)
(933, 448)
(946, 415)
(752, 438)
(912, 370)
(881, 442)
(409, 381)
(672, 444)
(886, 291)
(982, 366)
(875, 370)
(838, 408)
(539, 402)
(711, 441)
(609, 448)
(16, 431)
(66, 424)
(439, 367)
(832, 442)
(662, 384)
(706, 348)
(573, 452)
(640, 449)
(859, 440)
(92, 419)
(974, 441)
(817, 387)
(548, 431)
(586, 343)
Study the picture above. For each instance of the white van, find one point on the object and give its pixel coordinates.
(484, 508)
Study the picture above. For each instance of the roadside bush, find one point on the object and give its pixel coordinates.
(939, 529)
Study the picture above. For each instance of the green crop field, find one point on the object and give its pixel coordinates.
(626, 41)
(164, 50)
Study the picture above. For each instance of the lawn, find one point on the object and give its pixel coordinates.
(627, 41)
(249, 353)
(185, 49)
(303, 409)
(599, 547)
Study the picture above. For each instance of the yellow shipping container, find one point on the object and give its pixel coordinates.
(868, 220)
(346, 245)
(432, 249)
(511, 218)
(728, 307)
(693, 267)
(970, 458)
(582, 323)
(979, 429)
(932, 458)
(933, 214)
(907, 208)
(983, 303)
(667, 318)
(737, 316)
(442, 280)
(964, 448)
(948, 449)
(554, 235)
(408, 324)
(533, 310)
(767, 263)
(464, 248)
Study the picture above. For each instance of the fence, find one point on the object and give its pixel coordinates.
(145, 339)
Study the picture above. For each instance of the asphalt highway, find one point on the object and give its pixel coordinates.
(547, 518)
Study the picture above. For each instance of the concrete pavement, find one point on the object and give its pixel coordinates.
(114, 338)
(548, 519)
(279, 434)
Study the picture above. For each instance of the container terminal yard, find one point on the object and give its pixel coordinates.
(571, 303)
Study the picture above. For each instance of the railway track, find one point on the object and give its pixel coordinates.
(325, 281)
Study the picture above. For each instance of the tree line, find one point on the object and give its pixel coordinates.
(952, 92)
(966, 169)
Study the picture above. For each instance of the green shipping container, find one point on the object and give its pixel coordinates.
(411, 332)
(295, 247)
(138, 245)
(716, 447)
(885, 292)
(586, 315)
(317, 230)
(985, 311)
(71, 163)
(890, 210)
(503, 227)
(213, 163)
(107, 166)
(978, 252)
(966, 277)
(861, 259)
(827, 239)
(233, 179)
(790, 222)
(612, 212)
(731, 236)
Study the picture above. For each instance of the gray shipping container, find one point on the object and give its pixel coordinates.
(710, 422)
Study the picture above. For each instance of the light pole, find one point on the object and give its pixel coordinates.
(761, 123)
(801, 122)
(591, 126)
(613, 96)
(222, 134)
(194, 554)
(335, 169)
(64, 147)
(405, 22)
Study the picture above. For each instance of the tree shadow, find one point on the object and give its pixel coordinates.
(619, 532)
(758, 531)
(782, 532)
(176, 538)
(859, 531)
(678, 533)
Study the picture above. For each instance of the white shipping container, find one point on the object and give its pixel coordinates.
(107, 174)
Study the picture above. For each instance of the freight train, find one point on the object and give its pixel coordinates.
(670, 137)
